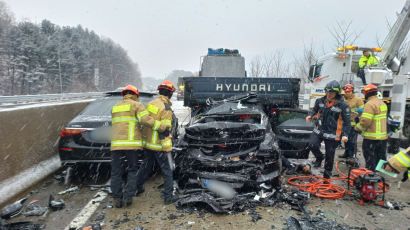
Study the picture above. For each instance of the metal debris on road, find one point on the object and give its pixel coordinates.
(70, 190)
(13, 209)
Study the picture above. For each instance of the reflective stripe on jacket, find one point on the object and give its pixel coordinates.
(400, 161)
(127, 117)
(160, 110)
(371, 60)
(333, 119)
(373, 121)
(354, 103)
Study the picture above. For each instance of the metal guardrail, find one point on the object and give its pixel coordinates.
(18, 99)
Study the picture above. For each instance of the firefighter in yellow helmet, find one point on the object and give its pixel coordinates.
(158, 144)
(126, 141)
(373, 127)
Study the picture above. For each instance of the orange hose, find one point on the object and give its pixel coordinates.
(324, 188)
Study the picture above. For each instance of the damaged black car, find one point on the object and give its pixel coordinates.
(227, 152)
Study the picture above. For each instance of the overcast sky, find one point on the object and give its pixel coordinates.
(172, 34)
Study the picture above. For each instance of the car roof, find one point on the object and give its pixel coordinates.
(117, 92)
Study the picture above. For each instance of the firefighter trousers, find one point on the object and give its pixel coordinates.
(350, 146)
(147, 167)
(330, 148)
(117, 170)
(373, 151)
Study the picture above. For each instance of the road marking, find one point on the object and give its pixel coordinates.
(87, 211)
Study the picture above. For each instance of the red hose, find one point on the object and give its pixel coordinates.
(324, 188)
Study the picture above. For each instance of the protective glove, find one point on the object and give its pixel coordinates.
(164, 134)
(360, 111)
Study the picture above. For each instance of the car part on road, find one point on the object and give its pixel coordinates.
(13, 209)
(24, 225)
(34, 209)
(55, 204)
(70, 190)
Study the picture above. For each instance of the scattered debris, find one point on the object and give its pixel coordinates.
(33, 209)
(26, 225)
(13, 209)
(55, 204)
(139, 228)
(70, 190)
(318, 222)
(255, 216)
(172, 217)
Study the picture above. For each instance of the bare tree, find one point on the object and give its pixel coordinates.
(301, 64)
(343, 34)
(256, 67)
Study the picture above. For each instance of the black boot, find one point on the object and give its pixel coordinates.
(139, 192)
(171, 199)
(127, 201)
(118, 202)
(317, 163)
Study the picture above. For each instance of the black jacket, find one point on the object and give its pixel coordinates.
(332, 122)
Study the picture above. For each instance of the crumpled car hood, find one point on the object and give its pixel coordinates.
(225, 132)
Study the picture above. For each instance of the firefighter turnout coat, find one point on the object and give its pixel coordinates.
(354, 103)
(159, 109)
(373, 121)
(401, 161)
(333, 118)
(127, 117)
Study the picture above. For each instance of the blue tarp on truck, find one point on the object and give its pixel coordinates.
(274, 91)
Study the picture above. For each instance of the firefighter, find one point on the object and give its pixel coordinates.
(373, 127)
(159, 144)
(126, 141)
(400, 162)
(355, 103)
(332, 117)
(367, 59)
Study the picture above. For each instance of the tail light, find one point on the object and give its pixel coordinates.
(70, 132)
(244, 116)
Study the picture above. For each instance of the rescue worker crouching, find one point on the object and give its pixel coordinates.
(158, 144)
(355, 103)
(333, 123)
(126, 141)
(373, 127)
(400, 162)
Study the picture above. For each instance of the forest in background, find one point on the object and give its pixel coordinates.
(48, 58)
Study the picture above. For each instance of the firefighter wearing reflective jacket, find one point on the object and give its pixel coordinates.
(159, 144)
(373, 127)
(400, 163)
(355, 103)
(126, 140)
(332, 117)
